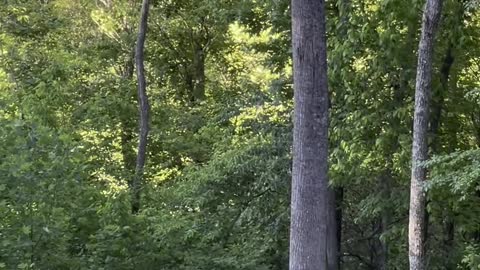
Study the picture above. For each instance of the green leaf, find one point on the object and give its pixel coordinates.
(26, 230)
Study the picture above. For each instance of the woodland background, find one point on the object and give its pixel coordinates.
(215, 193)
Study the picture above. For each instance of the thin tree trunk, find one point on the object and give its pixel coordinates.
(416, 233)
(333, 257)
(311, 247)
(199, 66)
(385, 182)
(339, 197)
(128, 154)
(438, 106)
(448, 241)
(126, 120)
(195, 75)
(344, 8)
(438, 102)
(143, 108)
(476, 127)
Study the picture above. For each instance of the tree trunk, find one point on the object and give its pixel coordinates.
(385, 182)
(339, 197)
(476, 127)
(344, 8)
(333, 257)
(143, 108)
(199, 73)
(195, 74)
(416, 233)
(126, 121)
(439, 100)
(435, 124)
(312, 211)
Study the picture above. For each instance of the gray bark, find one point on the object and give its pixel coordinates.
(416, 229)
(143, 108)
(312, 238)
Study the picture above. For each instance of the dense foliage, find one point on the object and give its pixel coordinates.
(217, 178)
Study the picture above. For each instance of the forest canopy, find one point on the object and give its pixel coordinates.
(215, 117)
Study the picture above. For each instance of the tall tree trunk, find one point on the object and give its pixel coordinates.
(143, 108)
(312, 210)
(416, 229)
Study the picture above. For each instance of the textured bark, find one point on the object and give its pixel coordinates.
(143, 108)
(312, 246)
(416, 229)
